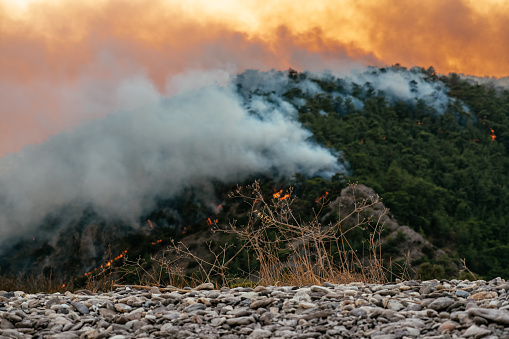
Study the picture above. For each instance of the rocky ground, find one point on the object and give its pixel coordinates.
(410, 309)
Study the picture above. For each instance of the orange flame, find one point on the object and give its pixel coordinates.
(210, 222)
(107, 264)
(493, 136)
(150, 223)
(157, 241)
(278, 195)
(322, 197)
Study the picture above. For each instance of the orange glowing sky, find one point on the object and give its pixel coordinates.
(65, 62)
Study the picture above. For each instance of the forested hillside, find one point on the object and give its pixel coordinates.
(433, 147)
(444, 172)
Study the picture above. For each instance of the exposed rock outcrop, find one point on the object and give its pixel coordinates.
(411, 246)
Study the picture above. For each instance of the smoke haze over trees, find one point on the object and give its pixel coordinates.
(434, 148)
(122, 164)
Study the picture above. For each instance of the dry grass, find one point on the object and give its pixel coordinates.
(165, 269)
(33, 283)
(290, 252)
(287, 251)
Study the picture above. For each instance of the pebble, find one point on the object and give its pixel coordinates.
(494, 315)
(448, 326)
(205, 286)
(484, 295)
(463, 294)
(80, 307)
(441, 303)
(476, 332)
(408, 309)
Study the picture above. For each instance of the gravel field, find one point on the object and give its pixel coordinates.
(409, 309)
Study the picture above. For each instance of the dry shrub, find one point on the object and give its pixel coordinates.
(287, 250)
(33, 283)
(161, 270)
(165, 269)
(215, 269)
(155, 271)
(291, 252)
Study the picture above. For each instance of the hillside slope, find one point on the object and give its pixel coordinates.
(443, 172)
(433, 147)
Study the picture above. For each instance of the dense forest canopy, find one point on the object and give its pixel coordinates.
(438, 158)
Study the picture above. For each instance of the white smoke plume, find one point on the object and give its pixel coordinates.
(404, 85)
(122, 164)
(395, 84)
(500, 83)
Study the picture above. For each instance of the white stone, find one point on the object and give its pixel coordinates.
(476, 331)
(122, 307)
(414, 332)
(248, 295)
(166, 327)
(395, 305)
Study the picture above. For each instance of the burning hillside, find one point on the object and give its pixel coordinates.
(118, 168)
(115, 112)
(110, 173)
(138, 171)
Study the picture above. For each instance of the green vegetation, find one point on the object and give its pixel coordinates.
(445, 175)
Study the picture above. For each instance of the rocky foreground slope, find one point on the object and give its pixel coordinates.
(428, 309)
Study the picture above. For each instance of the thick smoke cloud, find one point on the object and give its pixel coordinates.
(394, 83)
(59, 59)
(403, 85)
(120, 165)
(59, 73)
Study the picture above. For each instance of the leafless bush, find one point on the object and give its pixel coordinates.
(287, 250)
(291, 252)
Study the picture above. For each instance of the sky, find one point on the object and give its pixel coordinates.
(63, 63)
